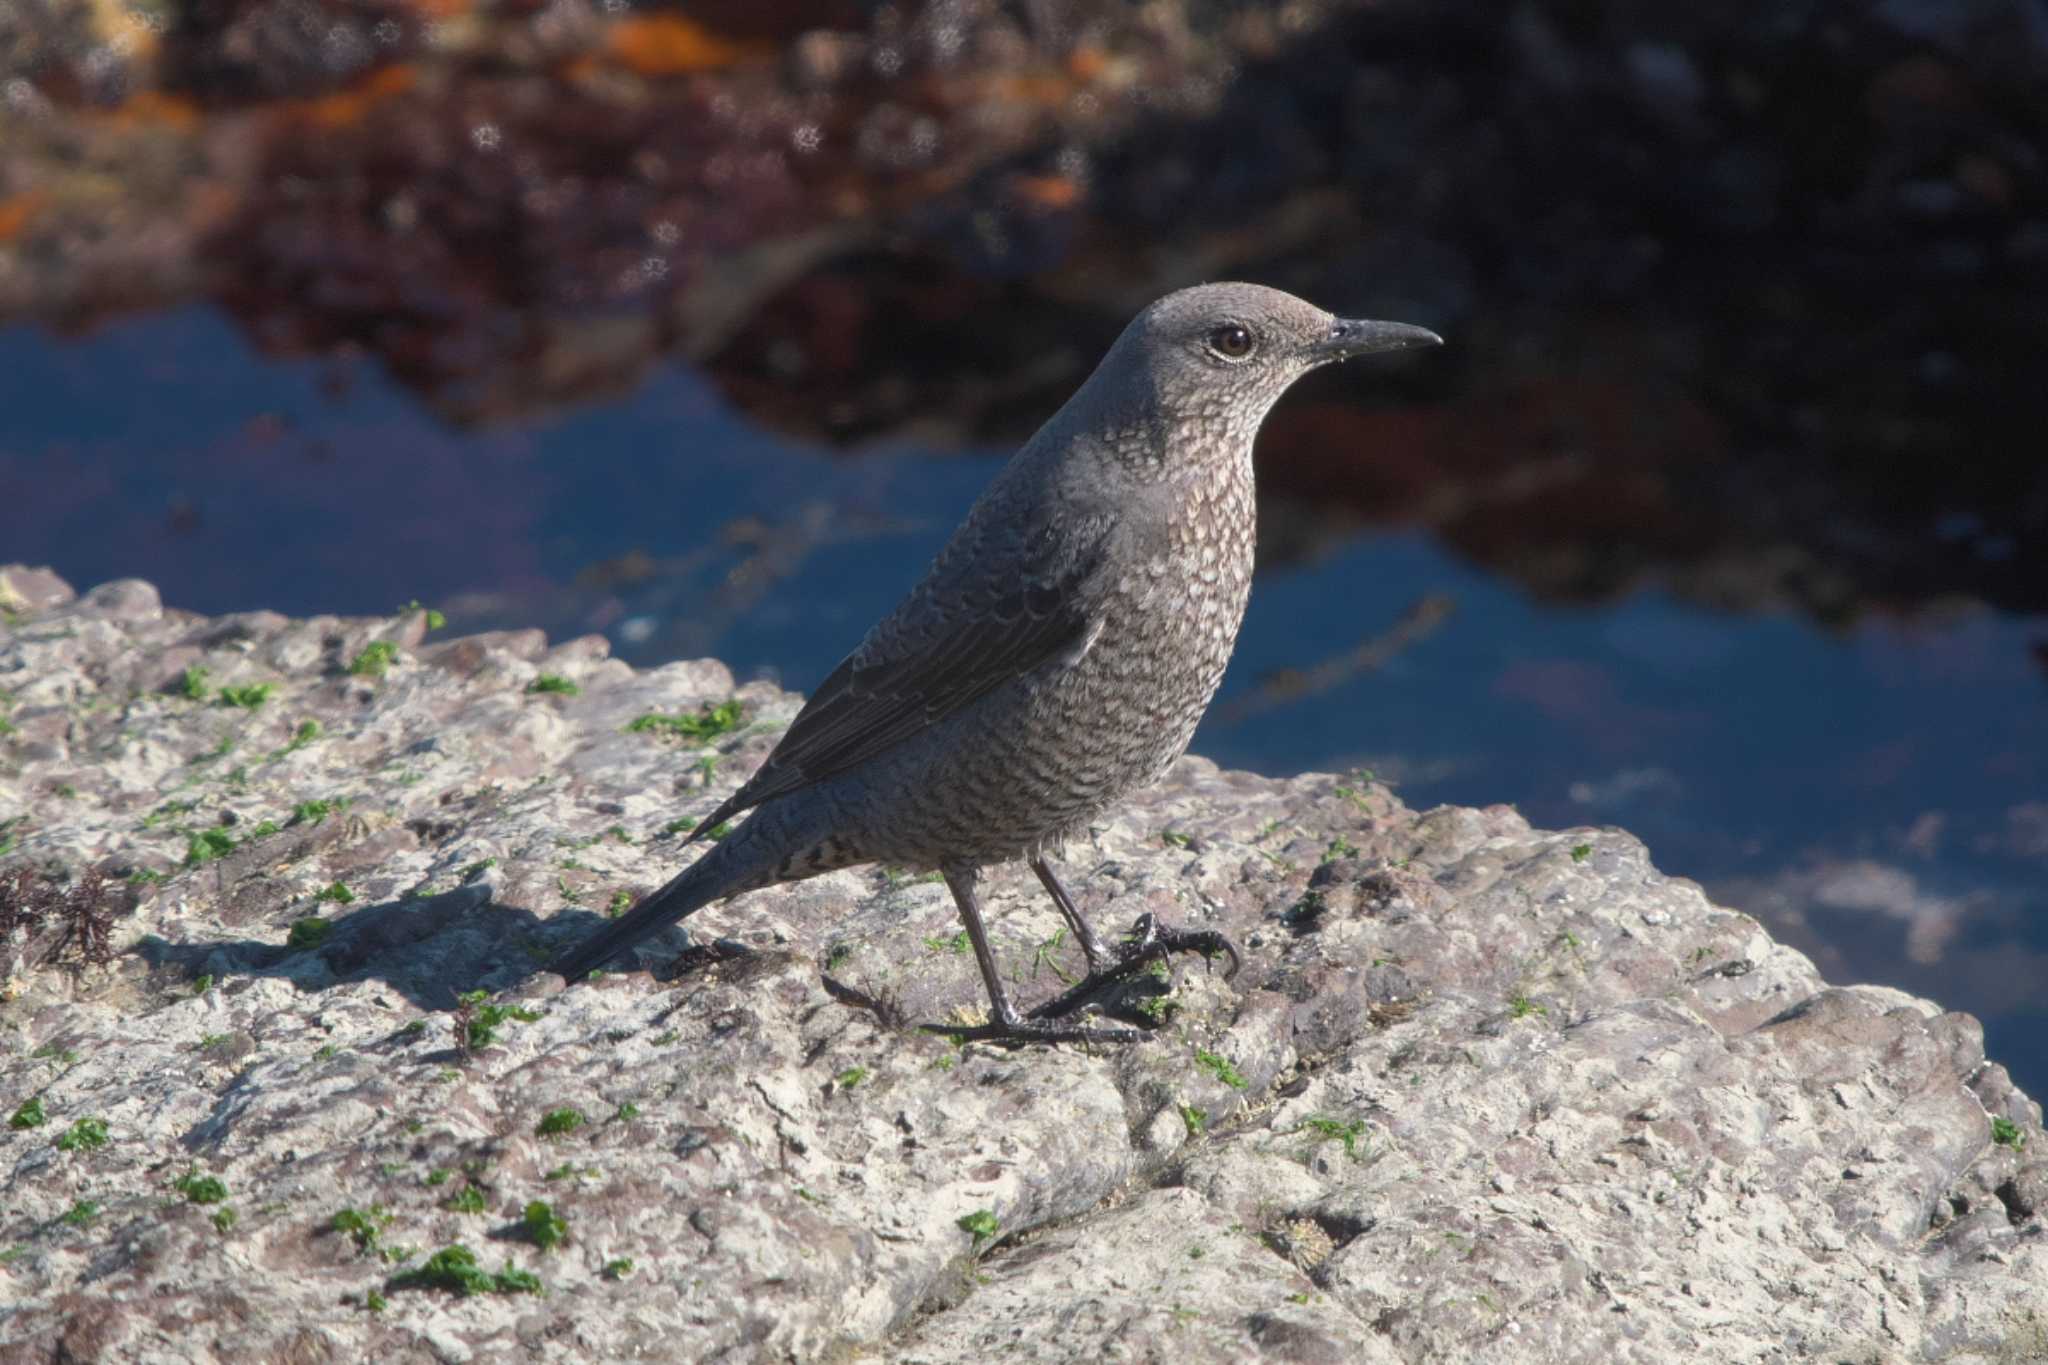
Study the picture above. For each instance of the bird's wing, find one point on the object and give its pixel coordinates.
(912, 673)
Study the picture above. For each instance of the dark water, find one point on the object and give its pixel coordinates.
(1877, 793)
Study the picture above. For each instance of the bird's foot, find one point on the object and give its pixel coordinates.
(1152, 942)
(1018, 1032)
(1013, 1031)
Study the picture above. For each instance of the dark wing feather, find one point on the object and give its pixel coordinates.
(870, 704)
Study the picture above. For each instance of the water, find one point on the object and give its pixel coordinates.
(1874, 792)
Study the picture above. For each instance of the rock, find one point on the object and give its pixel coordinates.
(23, 588)
(1479, 1091)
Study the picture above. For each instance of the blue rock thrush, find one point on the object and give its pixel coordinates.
(1057, 655)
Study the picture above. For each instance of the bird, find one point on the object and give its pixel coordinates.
(1054, 659)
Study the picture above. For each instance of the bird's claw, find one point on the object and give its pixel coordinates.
(1013, 1031)
(1151, 942)
(1018, 1032)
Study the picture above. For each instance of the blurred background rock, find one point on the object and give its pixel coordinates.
(1721, 519)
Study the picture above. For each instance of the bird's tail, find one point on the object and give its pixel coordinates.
(685, 892)
(779, 842)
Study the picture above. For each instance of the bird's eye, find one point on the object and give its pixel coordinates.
(1231, 341)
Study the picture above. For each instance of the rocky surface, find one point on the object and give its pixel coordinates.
(1479, 1091)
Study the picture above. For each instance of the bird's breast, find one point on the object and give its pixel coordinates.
(1169, 624)
(1039, 760)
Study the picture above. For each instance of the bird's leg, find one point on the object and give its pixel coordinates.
(1005, 1024)
(1153, 942)
(1092, 947)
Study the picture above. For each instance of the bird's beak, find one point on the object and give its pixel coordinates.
(1356, 336)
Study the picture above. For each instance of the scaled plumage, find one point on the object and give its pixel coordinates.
(1061, 649)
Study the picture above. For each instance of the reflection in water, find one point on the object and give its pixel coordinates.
(1872, 791)
(1746, 300)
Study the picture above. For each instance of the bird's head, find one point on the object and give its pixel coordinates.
(1218, 356)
